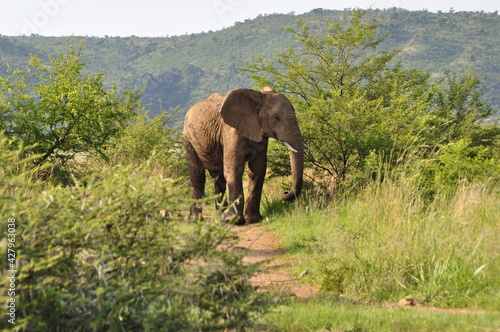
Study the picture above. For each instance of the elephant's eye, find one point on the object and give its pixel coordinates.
(276, 117)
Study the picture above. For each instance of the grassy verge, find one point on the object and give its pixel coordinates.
(387, 243)
(334, 315)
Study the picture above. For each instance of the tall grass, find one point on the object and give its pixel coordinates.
(390, 242)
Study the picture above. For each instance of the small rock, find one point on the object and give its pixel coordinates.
(306, 271)
(239, 250)
(165, 214)
(408, 301)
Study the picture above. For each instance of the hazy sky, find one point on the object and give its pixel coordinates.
(170, 18)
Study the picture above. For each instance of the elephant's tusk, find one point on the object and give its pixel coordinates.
(290, 147)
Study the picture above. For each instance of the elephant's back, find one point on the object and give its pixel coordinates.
(207, 109)
(203, 117)
(202, 128)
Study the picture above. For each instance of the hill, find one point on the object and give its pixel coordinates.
(180, 70)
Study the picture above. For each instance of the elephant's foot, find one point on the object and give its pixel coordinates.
(195, 212)
(253, 219)
(232, 217)
(240, 221)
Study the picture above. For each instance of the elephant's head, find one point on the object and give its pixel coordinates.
(266, 113)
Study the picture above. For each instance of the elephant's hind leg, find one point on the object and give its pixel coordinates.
(233, 174)
(197, 177)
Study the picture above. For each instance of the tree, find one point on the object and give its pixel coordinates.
(457, 107)
(350, 100)
(60, 108)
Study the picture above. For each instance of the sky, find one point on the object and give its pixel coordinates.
(152, 18)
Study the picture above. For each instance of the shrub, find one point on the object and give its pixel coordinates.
(145, 138)
(102, 257)
(459, 161)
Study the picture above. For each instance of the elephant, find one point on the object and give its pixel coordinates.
(223, 133)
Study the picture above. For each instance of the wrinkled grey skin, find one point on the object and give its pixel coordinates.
(222, 133)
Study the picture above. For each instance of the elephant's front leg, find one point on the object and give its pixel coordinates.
(256, 175)
(220, 185)
(233, 173)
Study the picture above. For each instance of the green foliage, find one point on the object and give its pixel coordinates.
(457, 107)
(459, 162)
(16, 170)
(61, 110)
(349, 100)
(353, 102)
(102, 257)
(333, 61)
(146, 138)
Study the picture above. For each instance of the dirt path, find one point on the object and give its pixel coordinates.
(260, 245)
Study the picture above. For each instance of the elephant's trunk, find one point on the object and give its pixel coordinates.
(297, 164)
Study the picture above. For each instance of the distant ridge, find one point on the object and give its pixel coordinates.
(180, 70)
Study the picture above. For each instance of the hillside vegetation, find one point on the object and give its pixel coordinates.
(181, 70)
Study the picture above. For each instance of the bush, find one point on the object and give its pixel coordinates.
(459, 161)
(102, 257)
(145, 138)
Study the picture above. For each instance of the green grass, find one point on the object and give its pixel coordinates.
(335, 315)
(387, 243)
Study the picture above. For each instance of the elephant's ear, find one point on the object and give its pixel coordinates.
(240, 110)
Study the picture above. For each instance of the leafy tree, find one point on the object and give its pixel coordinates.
(354, 101)
(457, 107)
(349, 99)
(60, 108)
